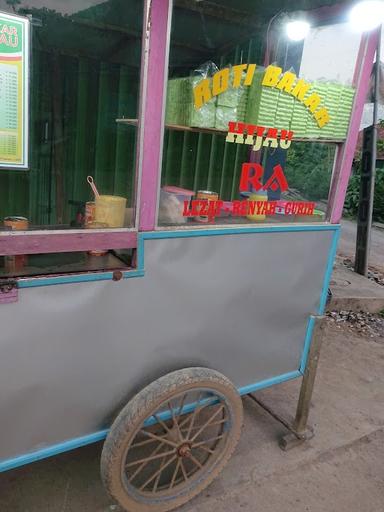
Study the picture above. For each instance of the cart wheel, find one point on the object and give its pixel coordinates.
(171, 440)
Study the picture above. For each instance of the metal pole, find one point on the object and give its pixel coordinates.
(367, 185)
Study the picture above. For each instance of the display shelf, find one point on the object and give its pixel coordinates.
(217, 131)
(66, 263)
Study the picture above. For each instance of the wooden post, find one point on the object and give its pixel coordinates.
(300, 430)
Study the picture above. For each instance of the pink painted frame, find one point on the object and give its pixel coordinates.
(343, 163)
(28, 242)
(153, 130)
(41, 242)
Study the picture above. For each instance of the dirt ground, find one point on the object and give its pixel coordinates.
(340, 469)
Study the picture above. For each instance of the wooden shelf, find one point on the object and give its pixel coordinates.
(216, 131)
(179, 128)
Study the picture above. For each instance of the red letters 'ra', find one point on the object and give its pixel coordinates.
(252, 175)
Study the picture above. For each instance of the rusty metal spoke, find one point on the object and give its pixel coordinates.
(213, 424)
(148, 459)
(206, 441)
(202, 447)
(143, 464)
(157, 472)
(197, 462)
(174, 476)
(162, 423)
(183, 470)
(155, 485)
(207, 423)
(175, 423)
(143, 443)
(159, 438)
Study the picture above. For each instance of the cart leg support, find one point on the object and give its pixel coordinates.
(299, 431)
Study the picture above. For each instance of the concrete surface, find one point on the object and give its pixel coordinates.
(348, 241)
(341, 469)
(351, 291)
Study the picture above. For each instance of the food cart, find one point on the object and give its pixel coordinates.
(196, 267)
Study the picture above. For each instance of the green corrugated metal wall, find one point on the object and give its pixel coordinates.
(81, 126)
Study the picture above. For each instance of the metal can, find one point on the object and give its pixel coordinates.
(16, 263)
(16, 223)
(97, 225)
(208, 196)
(90, 209)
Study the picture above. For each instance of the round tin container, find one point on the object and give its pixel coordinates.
(16, 263)
(97, 225)
(90, 209)
(16, 223)
(206, 195)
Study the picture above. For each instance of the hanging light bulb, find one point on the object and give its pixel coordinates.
(297, 30)
(366, 15)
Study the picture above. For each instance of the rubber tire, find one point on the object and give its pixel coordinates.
(137, 410)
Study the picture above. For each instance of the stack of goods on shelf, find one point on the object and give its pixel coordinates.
(254, 97)
(261, 105)
(271, 107)
(312, 129)
(299, 119)
(178, 110)
(344, 111)
(231, 106)
(205, 116)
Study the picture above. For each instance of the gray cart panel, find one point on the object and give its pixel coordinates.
(71, 355)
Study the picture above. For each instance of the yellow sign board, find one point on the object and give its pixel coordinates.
(14, 94)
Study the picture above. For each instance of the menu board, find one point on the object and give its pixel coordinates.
(14, 98)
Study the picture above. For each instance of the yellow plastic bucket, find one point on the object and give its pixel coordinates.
(257, 217)
(110, 210)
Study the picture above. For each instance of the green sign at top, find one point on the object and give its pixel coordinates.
(11, 36)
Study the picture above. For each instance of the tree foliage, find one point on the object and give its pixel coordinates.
(309, 169)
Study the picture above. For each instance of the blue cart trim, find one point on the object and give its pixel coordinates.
(78, 278)
(78, 442)
(139, 272)
(55, 449)
(328, 272)
(181, 233)
(307, 344)
(323, 300)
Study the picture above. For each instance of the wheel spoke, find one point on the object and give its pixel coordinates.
(201, 443)
(197, 462)
(213, 424)
(182, 403)
(165, 427)
(157, 472)
(153, 457)
(197, 411)
(202, 447)
(159, 475)
(159, 438)
(143, 464)
(175, 423)
(207, 423)
(175, 474)
(183, 470)
(143, 443)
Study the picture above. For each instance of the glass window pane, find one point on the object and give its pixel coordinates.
(84, 75)
(253, 117)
